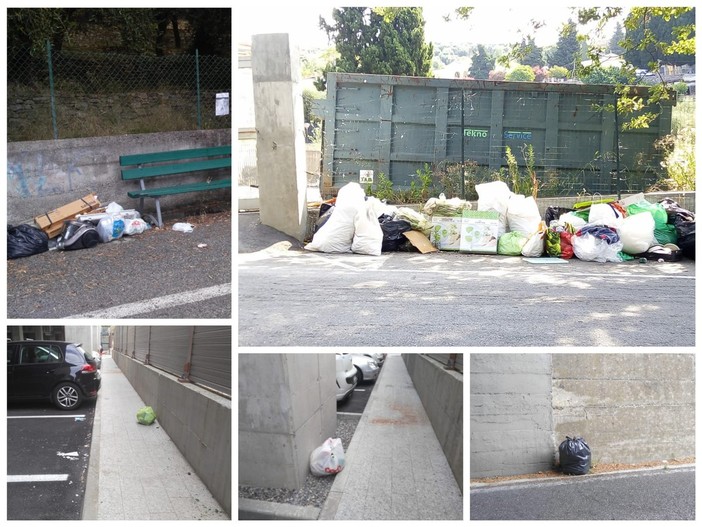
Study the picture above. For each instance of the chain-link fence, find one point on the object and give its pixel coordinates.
(65, 94)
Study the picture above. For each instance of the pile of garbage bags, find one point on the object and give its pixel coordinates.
(505, 223)
(83, 232)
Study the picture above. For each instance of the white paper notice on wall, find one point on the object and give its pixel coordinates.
(365, 176)
(222, 104)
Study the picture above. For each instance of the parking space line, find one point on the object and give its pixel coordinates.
(44, 416)
(348, 413)
(359, 390)
(31, 478)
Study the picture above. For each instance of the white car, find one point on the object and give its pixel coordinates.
(366, 366)
(345, 376)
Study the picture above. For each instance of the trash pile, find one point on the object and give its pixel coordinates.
(81, 224)
(509, 224)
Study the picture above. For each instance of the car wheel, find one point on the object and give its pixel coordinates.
(67, 396)
(359, 374)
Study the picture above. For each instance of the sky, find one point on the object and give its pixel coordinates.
(487, 24)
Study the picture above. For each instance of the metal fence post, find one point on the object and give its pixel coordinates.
(51, 89)
(197, 82)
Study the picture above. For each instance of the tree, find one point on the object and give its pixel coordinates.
(617, 37)
(567, 50)
(558, 72)
(655, 36)
(140, 30)
(611, 75)
(386, 41)
(530, 54)
(481, 63)
(642, 27)
(521, 73)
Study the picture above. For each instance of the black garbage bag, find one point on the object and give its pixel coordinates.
(575, 456)
(25, 240)
(684, 221)
(553, 213)
(323, 217)
(392, 232)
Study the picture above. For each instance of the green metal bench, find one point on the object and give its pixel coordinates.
(144, 167)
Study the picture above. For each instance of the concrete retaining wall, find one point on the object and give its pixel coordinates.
(630, 408)
(44, 175)
(510, 414)
(441, 393)
(287, 408)
(197, 421)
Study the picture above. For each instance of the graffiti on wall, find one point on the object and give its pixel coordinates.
(42, 179)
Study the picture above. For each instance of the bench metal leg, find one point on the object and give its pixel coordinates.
(158, 213)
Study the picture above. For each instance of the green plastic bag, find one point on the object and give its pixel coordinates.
(511, 243)
(660, 216)
(666, 234)
(146, 416)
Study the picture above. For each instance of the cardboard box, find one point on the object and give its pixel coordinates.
(479, 231)
(445, 233)
(420, 241)
(52, 222)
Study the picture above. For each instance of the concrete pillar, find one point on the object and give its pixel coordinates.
(280, 147)
(287, 408)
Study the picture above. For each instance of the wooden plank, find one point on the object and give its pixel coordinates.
(65, 212)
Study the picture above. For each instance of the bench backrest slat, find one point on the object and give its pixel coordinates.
(175, 155)
(178, 168)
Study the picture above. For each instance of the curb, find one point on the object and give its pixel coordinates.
(92, 484)
(267, 510)
(331, 504)
(519, 482)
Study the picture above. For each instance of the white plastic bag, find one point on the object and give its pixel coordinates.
(114, 208)
(336, 235)
(110, 228)
(368, 236)
(590, 248)
(604, 214)
(495, 196)
(522, 214)
(134, 226)
(636, 233)
(534, 246)
(328, 459)
(183, 227)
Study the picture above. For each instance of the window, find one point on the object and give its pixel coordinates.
(36, 354)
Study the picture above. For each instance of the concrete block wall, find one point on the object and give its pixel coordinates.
(198, 422)
(441, 393)
(287, 408)
(510, 414)
(44, 175)
(630, 408)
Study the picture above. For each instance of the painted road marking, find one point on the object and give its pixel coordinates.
(163, 302)
(30, 478)
(44, 416)
(347, 413)
(359, 390)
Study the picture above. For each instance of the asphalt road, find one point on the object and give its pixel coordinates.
(356, 402)
(291, 297)
(47, 460)
(158, 274)
(646, 495)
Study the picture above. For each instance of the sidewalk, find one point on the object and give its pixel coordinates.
(395, 467)
(135, 471)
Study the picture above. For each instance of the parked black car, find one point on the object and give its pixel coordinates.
(62, 372)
